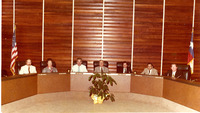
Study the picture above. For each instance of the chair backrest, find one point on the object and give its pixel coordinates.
(83, 62)
(96, 64)
(185, 69)
(43, 64)
(4, 73)
(120, 66)
(18, 66)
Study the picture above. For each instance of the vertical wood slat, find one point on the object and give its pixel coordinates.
(88, 27)
(7, 26)
(88, 30)
(57, 38)
(148, 34)
(117, 32)
(28, 30)
(197, 40)
(178, 27)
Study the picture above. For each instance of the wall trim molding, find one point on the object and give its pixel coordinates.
(43, 5)
(72, 53)
(133, 26)
(163, 29)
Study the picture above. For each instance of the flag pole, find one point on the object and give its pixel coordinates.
(193, 15)
(43, 30)
(13, 15)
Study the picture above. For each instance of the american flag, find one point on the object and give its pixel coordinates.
(191, 53)
(14, 53)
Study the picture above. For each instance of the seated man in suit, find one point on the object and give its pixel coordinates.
(79, 67)
(101, 68)
(49, 68)
(125, 68)
(150, 70)
(28, 68)
(174, 72)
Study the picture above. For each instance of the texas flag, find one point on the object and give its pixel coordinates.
(191, 54)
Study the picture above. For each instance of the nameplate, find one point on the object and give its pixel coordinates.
(42, 74)
(138, 75)
(159, 77)
(128, 74)
(112, 74)
(88, 73)
(62, 73)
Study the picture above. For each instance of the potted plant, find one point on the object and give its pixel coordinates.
(99, 91)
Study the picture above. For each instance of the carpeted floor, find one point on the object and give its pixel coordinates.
(67, 102)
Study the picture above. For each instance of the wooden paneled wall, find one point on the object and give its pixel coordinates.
(57, 32)
(197, 40)
(117, 40)
(148, 34)
(7, 25)
(88, 31)
(178, 28)
(28, 31)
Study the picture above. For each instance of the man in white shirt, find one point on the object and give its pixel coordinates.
(79, 67)
(28, 68)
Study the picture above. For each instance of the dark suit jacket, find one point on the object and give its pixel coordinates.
(121, 70)
(179, 74)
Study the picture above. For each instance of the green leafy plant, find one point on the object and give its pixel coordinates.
(100, 86)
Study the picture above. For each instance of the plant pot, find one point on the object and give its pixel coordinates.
(97, 99)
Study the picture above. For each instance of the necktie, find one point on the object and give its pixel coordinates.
(173, 75)
(149, 72)
(78, 68)
(101, 70)
(28, 69)
(124, 70)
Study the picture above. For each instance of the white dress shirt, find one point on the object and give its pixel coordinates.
(124, 70)
(24, 69)
(76, 68)
(173, 74)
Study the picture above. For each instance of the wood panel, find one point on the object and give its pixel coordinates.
(29, 30)
(178, 27)
(26, 86)
(181, 92)
(88, 30)
(147, 85)
(7, 29)
(197, 41)
(58, 27)
(117, 39)
(148, 34)
(123, 82)
(54, 82)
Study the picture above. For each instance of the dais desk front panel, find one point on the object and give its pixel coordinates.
(53, 82)
(79, 82)
(18, 87)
